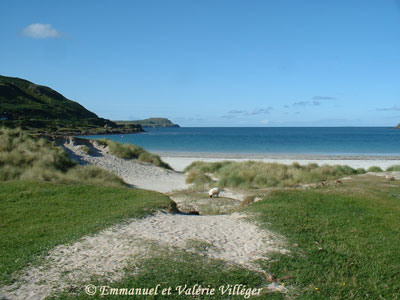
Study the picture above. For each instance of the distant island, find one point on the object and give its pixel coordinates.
(150, 122)
(398, 126)
(42, 110)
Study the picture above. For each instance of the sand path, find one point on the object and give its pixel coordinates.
(230, 238)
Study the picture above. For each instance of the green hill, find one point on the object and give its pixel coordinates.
(40, 108)
(398, 126)
(150, 122)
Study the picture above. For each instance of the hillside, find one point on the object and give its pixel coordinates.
(40, 108)
(398, 126)
(150, 122)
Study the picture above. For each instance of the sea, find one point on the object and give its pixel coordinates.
(266, 141)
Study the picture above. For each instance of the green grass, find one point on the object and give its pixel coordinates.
(394, 168)
(374, 169)
(348, 239)
(128, 151)
(25, 157)
(177, 268)
(253, 175)
(36, 216)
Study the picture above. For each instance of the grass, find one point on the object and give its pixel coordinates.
(127, 151)
(25, 157)
(374, 169)
(36, 216)
(348, 239)
(394, 168)
(179, 268)
(251, 174)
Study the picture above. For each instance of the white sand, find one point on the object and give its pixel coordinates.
(137, 174)
(179, 162)
(104, 255)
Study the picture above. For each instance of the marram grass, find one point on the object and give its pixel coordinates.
(252, 174)
(128, 151)
(28, 158)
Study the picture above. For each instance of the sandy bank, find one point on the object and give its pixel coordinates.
(137, 174)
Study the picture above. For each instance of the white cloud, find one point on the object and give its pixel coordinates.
(265, 121)
(393, 108)
(253, 112)
(41, 31)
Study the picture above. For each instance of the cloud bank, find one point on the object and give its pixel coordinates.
(40, 31)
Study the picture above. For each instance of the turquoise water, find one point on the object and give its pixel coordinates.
(268, 140)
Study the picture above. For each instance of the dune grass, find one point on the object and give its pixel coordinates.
(374, 169)
(36, 216)
(394, 168)
(252, 174)
(25, 157)
(128, 151)
(346, 239)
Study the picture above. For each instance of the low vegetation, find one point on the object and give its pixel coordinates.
(36, 216)
(128, 151)
(375, 169)
(26, 157)
(178, 268)
(345, 239)
(394, 168)
(251, 174)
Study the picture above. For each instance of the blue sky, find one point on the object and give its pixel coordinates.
(213, 63)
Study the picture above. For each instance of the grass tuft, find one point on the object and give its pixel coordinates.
(374, 169)
(127, 151)
(25, 157)
(394, 168)
(252, 174)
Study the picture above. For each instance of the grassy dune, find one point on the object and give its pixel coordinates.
(251, 174)
(25, 157)
(128, 151)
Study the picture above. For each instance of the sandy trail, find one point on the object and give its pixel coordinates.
(105, 254)
(137, 174)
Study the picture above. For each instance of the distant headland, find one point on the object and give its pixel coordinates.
(150, 122)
